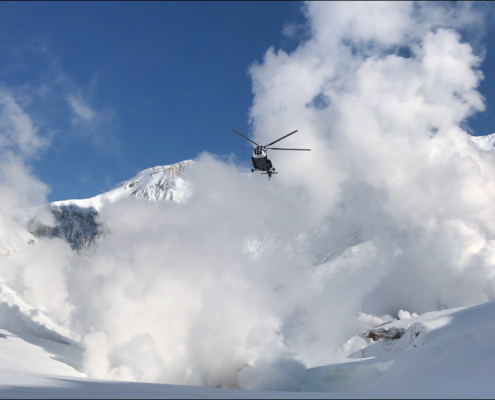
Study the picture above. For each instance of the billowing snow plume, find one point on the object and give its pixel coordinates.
(36, 271)
(380, 92)
(391, 167)
(246, 282)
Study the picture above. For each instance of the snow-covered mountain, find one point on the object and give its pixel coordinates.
(158, 183)
(485, 143)
(75, 219)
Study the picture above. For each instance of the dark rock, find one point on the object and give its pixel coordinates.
(385, 334)
(75, 224)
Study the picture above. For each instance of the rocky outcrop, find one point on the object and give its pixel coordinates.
(75, 224)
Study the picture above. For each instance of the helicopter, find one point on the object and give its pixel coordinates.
(260, 158)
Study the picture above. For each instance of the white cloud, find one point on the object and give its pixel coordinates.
(17, 132)
(389, 154)
(87, 121)
(28, 268)
(19, 141)
(82, 112)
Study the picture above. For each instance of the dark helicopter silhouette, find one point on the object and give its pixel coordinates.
(260, 158)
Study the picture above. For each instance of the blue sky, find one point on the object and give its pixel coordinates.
(170, 80)
(166, 81)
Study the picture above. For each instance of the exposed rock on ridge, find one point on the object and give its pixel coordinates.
(76, 219)
(75, 224)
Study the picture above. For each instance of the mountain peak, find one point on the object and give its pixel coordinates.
(157, 183)
(163, 182)
(75, 219)
(485, 143)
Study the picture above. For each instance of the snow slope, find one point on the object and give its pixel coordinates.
(22, 354)
(448, 353)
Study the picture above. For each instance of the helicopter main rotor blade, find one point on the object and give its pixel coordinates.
(233, 148)
(278, 148)
(240, 134)
(278, 140)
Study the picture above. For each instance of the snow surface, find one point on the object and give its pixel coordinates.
(449, 353)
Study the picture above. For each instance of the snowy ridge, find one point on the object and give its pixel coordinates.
(75, 219)
(157, 183)
(485, 143)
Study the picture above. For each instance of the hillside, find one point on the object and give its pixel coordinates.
(441, 354)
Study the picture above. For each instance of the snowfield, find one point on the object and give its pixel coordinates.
(449, 353)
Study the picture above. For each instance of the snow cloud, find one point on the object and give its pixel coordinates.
(248, 283)
(86, 119)
(17, 131)
(391, 211)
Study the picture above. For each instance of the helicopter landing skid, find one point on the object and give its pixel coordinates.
(269, 174)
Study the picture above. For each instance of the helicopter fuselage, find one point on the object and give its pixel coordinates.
(260, 159)
(261, 162)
